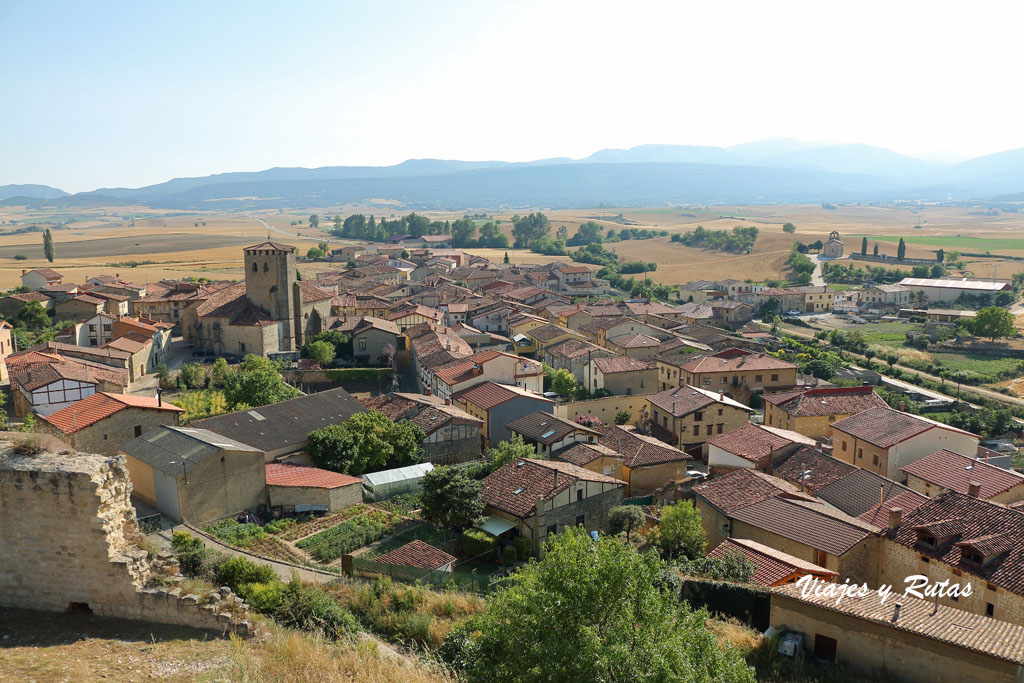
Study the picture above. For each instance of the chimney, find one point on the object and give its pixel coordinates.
(896, 612)
(556, 478)
(895, 517)
(159, 397)
(23, 271)
(973, 489)
(447, 401)
(903, 406)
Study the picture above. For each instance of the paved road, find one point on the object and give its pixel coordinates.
(177, 356)
(268, 226)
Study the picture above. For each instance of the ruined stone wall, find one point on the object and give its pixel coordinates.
(69, 540)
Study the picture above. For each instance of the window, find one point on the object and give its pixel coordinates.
(241, 346)
(698, 416)
(725, 380)
(718, 428)
(707, 381)
(265, 268)
(552, 529)
(362, 344)
(255, 268)
(641, 384)
(580, 521)
(710, 427)
(138, 430)
(579, 495)
(844, 445)
(860, 452)
(93, 342)
(874, 459)
(925, 560)
(92, 328)
(990, 609)
(664, 421)
(758, 379)
(991, 587)
(719, 412)
(775, 378)
(104, 437)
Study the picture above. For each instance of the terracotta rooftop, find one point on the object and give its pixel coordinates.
(100, 406)
(811, 468)
(515, 487)
(417, 554)
(614, 364)
(580, 454)
(547, 428)
(638, 450)
(287, 474)
(48, 273)
(35, 370)
(770, 565)
(735, 360)
(826, 401)
(885, 427)
(270, 246)
(942, 623)
(488, 394)
(637, 340)
(743, 487)
(954, 472)
(750, 442)
(907, 501)
(549, 331)
(808, 524)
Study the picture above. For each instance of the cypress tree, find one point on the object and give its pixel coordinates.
(48, 249)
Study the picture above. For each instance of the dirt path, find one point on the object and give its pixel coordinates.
(268, 226)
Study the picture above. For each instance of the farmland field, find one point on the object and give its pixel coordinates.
(958, 242)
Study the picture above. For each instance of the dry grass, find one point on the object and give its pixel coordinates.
(734, 633)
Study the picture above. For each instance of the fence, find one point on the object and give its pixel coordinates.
(749, 604)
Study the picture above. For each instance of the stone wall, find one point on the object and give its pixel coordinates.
(71, 541)
(605, 409)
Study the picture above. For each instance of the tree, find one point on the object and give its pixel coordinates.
(623, 417)
(256, 383)
(940, 256)
(48, 248)
(492, 237)
(625, 518)
(680, 532)
(901, 250)
(365, 442)
(875, 252)
(192, 376)
(450, 499)
(788, 227)
(510, 451)
(315, 253)
(592, 612)
(506, 257)
(321, 351)
(219, 373)
(562, 233)
(33, 316)
(587, 233)
(563, 382)
(864, 246)
(526, 229)
(314, 220)
(993, 322)
(463, 233)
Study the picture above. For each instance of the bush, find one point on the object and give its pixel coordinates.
(524, 548)
(194, 558)
(192, 376)
(310, 609)
(264, 598)
(508, 555)
(477, 542)
(233, 533)
(237, 571)
(278, 525)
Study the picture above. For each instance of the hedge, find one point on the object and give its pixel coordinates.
(477, 542)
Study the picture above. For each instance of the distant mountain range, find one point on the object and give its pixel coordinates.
(771, 171)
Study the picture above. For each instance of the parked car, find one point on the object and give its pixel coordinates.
(792, 312)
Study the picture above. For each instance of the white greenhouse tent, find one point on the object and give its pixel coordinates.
(390, 483)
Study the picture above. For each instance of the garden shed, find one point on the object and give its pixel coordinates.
(390, 483)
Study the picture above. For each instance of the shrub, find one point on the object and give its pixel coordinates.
(192, 376)
(233, 533)
(310, 609)
(508, 556)
(477, 542)
(193, 557)
(524, 548)
(264, 598)
(278, 525)
(237, 571)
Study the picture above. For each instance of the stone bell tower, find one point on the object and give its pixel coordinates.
(269, 279)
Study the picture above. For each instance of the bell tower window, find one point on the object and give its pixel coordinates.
(266, 268)
(255, 268)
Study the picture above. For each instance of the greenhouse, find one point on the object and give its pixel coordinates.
(386, 484)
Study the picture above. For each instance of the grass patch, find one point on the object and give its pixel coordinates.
(989, 366)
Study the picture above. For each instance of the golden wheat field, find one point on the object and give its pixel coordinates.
(143, 245)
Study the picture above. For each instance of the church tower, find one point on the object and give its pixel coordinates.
(269, 278)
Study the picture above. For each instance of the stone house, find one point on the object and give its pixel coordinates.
(884, 295)
(635, 345)
(167, 303)
(194, 475)
(948, 471)
(574, 355)
(811, 411)
(731, 313)
(620, 375)
(771, 567)
(909, 639)
(94, 331)
(498, 405)
(814, 298)
(298, 489)
(736, 372)
(543, 336)
(369, 339)
(549, 433)
(645, 463)
(751, 446)
(45, 382)
(104, 422)
(11, 305)
(491, 365)
(542, 497)
(415, 315)
(79, 307)
(687, 416)
(138, 328)
(40, 277)
(884, 440)
(452, 434)
(115, 304)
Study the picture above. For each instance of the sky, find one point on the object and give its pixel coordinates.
(125, 94)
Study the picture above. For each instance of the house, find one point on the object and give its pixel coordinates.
(11, 305)
(645, 462)
(44, 382)
(814, 298)
(543, 336)
(948, 290)
(498, 405)
(138, 328)
(104, 422)
(717, 499)
(945, 470)
(419, 555)
(731, 313)
(812, 411)
(494, 366)
(371, 337)
(884, 440)
(40, 277)
(452, 434)
(635, 345)
(549, 433)
(415, 315)
(688, 416)
(432, 347)
(960, 538)
(279, 430)
(736, 372)
(79, 307)
(194, 475)
(62, 292)
(753, 446)
(621, 375)
(884, 295)
(574, 355)
(167, 303)
(298, 489)
(536, 498)
(94, 331)
(906, 637)
(116, 304)
(771, 567)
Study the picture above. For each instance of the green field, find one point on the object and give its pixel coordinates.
(971, 244)
(886, 334)
(981, 365)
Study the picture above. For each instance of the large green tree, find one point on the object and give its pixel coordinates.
(526, 229)
(33, 316)
(592, 612)
(322, 352)
(48, 249)
(901, 250)
(680, 531)
(314, 220)
(463, 232)
(450, 499)
(510, 451)
(366, 441)
(625, 518)
(256, 382)
(993, 322)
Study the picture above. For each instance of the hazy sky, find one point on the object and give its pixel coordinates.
(127, 94)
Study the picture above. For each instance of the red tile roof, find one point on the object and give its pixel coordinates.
(638, 450)
(826, 401)
(813, 525)
(613, 364)
(285, 474)
(270, 246)
(885, 427)
(906, 501)
(637, 340)
(486, 395)
(734, 360)
(770, 565)
(955, 472)
(100, 406)
(515, 487)
(742, 488)
(750, 442)
(417, 554)
(685, 399)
